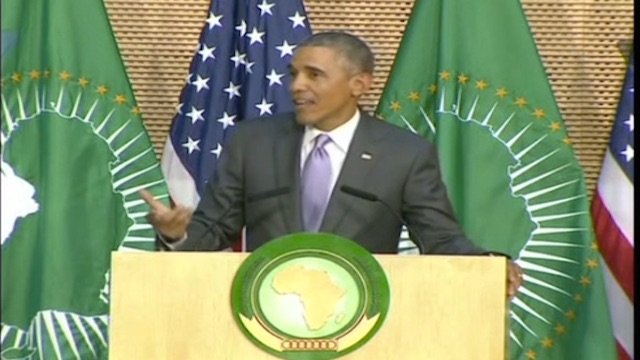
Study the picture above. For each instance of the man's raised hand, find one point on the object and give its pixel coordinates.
(169, 222)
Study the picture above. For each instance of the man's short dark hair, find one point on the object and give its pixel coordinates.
(355, 51)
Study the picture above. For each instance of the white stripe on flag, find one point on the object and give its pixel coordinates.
(616, 193)
(182, 187)
(621, 310)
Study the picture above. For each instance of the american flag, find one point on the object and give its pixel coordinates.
(239, 72)
(613, 219)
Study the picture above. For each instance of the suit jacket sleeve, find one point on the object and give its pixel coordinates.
(218, 220)
(428, 211)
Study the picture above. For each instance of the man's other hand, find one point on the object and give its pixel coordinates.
(171, 223)
(515, 277)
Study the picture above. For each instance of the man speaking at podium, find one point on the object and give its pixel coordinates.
(328, 167)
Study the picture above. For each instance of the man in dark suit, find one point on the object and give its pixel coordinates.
(311, 154)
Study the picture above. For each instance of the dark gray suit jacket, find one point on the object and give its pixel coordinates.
(264, 154)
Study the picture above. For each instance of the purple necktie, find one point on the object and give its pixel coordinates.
(316, 184)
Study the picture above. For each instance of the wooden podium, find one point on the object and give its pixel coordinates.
(177, 306)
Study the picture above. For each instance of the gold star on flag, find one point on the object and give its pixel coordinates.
(395, 105)
(414, 96)
(531, 355)
(592, 263)
(594, 245)
(433, 88)
(567, 141)
(83, 81)
(578, 298)
(539, 113)
(47, 74)
(17, 77)
(136, 111)
(521, 102)
(36, 74)
(555, 126)
(481, 84)
(571, 314)
(502, 92)
(560, 329)
(445, 75)
(120, 99)
(463, 79)
(65, 76)
(585, 281)
(547, 343)
(102, 89)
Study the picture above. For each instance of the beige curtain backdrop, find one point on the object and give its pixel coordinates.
(583, 43)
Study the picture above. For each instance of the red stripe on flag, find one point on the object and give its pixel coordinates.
(614, 247)
(241, 244)
(237, 247)
(622, 354)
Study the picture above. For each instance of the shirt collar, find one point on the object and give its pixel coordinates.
(341, 136)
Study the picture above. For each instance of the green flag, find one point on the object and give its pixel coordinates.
(468, 76)
(75, 154)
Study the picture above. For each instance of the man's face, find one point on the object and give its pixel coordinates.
(325, 93)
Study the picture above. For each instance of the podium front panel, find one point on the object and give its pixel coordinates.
(176, 305)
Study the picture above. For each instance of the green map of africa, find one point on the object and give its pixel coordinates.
(317, 292)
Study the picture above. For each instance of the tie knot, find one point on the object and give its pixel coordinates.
(322, 140)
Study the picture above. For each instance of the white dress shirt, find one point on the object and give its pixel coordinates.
(337, 149)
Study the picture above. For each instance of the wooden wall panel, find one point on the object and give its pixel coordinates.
(582, 43)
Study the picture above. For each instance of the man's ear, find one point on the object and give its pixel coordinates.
(360, 84)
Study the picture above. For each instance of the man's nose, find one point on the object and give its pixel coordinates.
(298, 83)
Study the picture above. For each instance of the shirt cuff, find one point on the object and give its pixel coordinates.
(172, 245)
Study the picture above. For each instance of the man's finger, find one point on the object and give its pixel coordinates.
(183, 216)
(515, 278)
(175, 216)
(512, 289)
(155, 204)
(167, 217)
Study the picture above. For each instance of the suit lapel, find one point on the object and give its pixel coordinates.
(287, 162)
(355, 170)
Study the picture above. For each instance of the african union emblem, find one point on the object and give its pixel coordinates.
(310, 296)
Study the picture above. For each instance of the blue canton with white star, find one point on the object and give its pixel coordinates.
(622, 142)
(240, 71)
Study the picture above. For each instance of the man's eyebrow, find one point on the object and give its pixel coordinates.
(291, 68)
